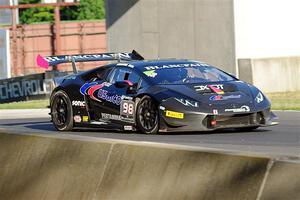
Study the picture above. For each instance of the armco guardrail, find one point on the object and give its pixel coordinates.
(57, 167)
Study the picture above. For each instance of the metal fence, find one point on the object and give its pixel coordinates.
(76, 37)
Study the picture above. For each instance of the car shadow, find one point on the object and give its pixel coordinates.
(221, 131)
(48, 126)
(23, 123)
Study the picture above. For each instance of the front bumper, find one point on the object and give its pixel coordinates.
(197, 121)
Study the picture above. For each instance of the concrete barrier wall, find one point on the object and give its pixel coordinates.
(41, 167)
(271, 74)
(194, 29)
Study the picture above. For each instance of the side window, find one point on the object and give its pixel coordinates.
(102, 74)
(134, 77)
(119, 74)
(122, 73)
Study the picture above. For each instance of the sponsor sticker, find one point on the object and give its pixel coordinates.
(126, 98)
(173, 114)
(110, 116)
(85, 118)
(77, 119)
(156, 67)
(215, 112)
(241, 109)
(150, 73)
(222, 97)
(259, 98)
(128, 128)
(188, 102)
(78, 103)
(216, 90)
(162, 108)
(115, 99)
(90, 88)
(201, 88)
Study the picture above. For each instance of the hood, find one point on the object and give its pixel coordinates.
(212, 93)
(222, 97)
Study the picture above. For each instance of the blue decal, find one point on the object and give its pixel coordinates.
(222, 97)
(115, 99)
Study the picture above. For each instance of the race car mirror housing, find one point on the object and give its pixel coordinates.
(123, 84)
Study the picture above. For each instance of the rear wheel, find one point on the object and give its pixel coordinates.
(61, 111)
(147, 118)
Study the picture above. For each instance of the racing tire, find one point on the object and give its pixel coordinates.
(147, 116)
(61, 111)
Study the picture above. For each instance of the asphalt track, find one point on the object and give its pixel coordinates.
(282, 140)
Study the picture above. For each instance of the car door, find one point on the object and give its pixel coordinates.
(115, 103)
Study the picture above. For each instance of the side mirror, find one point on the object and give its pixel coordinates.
(131, 88)
(123, 84)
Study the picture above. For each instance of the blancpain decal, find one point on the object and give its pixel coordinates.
(241, 109)
(188, 102)
(259, 98)
(88, 57)
(78, 103)
(205, 87)
(155, 67)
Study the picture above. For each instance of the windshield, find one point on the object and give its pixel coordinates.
(183, 75)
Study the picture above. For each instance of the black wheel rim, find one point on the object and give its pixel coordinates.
(60, 111)
(147, 114)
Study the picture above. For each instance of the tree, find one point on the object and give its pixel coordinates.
(32, 15)
(91, 9)
(87, 10)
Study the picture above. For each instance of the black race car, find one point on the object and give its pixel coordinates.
(155, 95)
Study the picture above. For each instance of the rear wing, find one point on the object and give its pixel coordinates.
(47, 61)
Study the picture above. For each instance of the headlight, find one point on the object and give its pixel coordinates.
(259, 98)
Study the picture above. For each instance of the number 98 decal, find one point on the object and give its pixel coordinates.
(127, 108)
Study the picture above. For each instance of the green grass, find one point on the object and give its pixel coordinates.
(26, 104)
(285, 101)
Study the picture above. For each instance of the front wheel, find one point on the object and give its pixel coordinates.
(61, 111)
(147, 118)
